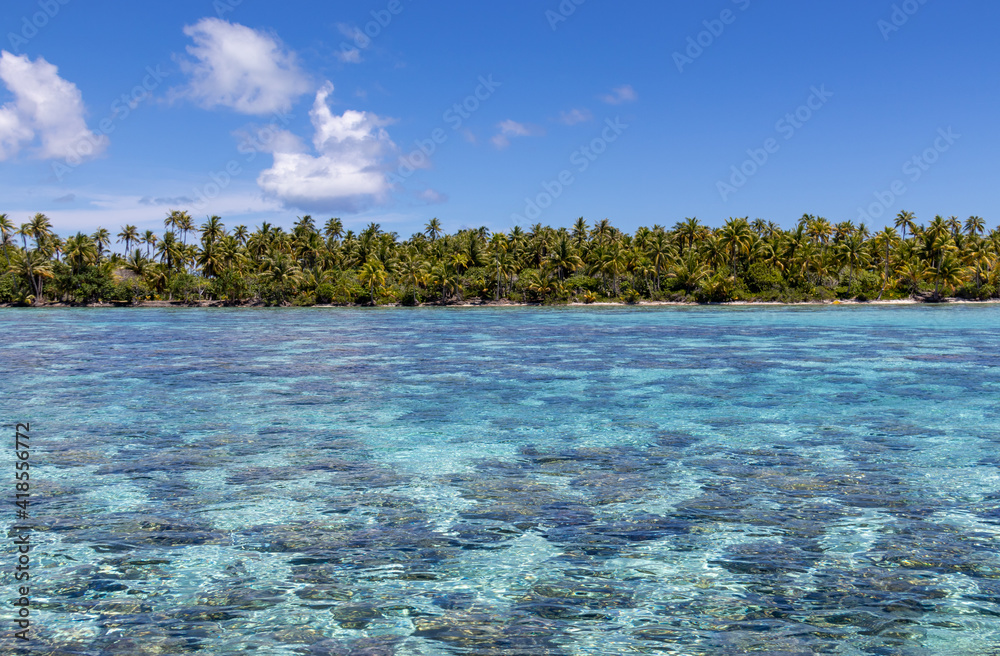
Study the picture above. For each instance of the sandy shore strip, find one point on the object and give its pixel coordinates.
(495, 304)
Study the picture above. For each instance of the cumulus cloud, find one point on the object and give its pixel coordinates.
(621, 95)
(240, 68)
(349, 169)
(46, 109)
(510, 129)
(575, 116)
(13, 132)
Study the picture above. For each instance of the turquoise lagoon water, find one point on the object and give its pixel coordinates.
(508, 481)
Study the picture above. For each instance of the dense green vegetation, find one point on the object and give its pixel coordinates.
(741, 260)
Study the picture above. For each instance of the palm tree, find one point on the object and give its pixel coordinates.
(660, 251)
(518, 240)
(912, 273)
(975, 225)
(955, 225)
(820, 230)
(373, 276)
(906, 221)
(128, 235)
(6, 230)
(459, 262)
(333, 229)
(232, 254)
(444, 277)
(185, 224)
(40, 229)
(938, 226)
(34, 266)
(539, 283)
(843, 230)
(603, 231)
(138, 264)
(157, 277)
(978, 257)
(563, 257)
(885, 238)
(950, 272)
(935, 243)
(414, 273)
(149, 238)
(433, 229)
(102, 238)
(689, 272)
(212, 230)
(304, 226)
(737, 238)
(713, 248)
(172, 221)
(179, 221)
(282, 272)
(689, 231)
(24, 231)
(171, 251)
(769, 252)
(616, 263)
(210, 259)
(854, 252)
(81, 251)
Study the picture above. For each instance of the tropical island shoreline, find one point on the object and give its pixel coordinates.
(742, 262)
(513, 304)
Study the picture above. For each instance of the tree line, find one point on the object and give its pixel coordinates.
(309, 264)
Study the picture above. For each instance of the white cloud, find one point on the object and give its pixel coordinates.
(13, 132)
(621, 95)
(268, 139)
(241, 68)
(351, 53)
(575, 116)
(45, 107)
(432, 197)
(350, 170)
(510, 129)
(350, 56)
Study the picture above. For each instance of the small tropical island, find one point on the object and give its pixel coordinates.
(741, 261)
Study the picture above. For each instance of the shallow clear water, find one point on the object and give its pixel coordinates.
(509, 481)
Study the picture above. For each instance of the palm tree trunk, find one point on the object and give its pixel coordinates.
(885, 282)
(39, 287)
(937, 277)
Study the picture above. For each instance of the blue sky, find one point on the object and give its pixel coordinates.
(260, 112)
